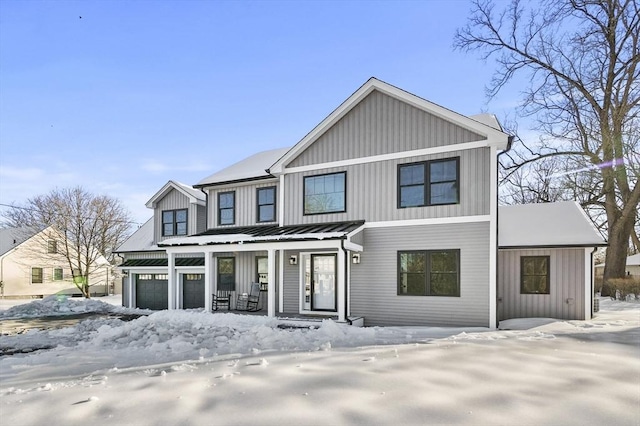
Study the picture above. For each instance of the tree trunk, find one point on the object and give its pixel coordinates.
(616, 257)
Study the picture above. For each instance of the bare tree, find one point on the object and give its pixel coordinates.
(85, 226)
(581, 59)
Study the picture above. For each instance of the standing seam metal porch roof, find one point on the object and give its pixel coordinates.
(267, 233)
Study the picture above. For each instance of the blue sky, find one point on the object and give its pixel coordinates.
(121, 96)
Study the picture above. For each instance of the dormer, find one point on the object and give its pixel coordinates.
(179, 210)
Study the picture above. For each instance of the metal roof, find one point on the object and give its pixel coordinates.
(180, 261)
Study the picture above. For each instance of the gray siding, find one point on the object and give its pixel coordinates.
(246, 204)
(201, 219)
(566, 285)
(246, 272)
(372, 191)
(172, 201)
(291, 285)
(381, 124)
(374, 282)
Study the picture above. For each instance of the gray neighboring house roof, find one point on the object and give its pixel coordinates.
(140, 240)
(633, 260)
(11, 238)
(253, 167)
(561, 224)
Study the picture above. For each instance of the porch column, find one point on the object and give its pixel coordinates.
(271, 286)
(281, 281)
(207, 282)
(130, 284)
(171, 280)
(340, 270)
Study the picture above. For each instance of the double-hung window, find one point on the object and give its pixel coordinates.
(226, 208)
(429, 183)
(36, 276)
(534, 275)
(429, 273)
(325, 193)
(52, 247)
(266, 204)
(57, 274)
(174, 222)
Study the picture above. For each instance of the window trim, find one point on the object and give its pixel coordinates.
(233, 209)
(304, 191)
(175, 222)
(33, 268)
(52, 246)
(427, 182)
(427, 272)
(548, 274)
(274, 204)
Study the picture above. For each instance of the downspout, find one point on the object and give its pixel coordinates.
(592, 279)
(346, 286)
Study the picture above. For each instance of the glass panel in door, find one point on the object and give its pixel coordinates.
(323, 283)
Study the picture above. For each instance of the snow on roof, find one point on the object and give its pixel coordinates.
(141, 240)
(488, 120)
(633, 260)
(251, 167)
(546, 225)
(194, 195)
(191, 190)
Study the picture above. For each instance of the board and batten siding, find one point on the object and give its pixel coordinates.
(175, 200)
(381, 124)
(372, 190)
(291, 285)
(566, 289)
(246, 204)
(374, 281)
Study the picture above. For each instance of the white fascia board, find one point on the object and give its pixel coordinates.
(494, 136)
(432, 221)
(257, 181)
(277, 245)
(390, 156)
(353, 246)
(166, 188)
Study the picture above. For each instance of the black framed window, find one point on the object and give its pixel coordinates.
(52, 246)
(226, 208)
(429, 183)
(266, 204)
(57, 274)
(535, 274)
(429, 273)
(226, 273)
(174, 222)
(36, 276)
(325, 193)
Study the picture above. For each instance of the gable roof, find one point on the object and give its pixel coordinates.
(479, 125)
(253, 167)
(11, 238)
(195, 196)
(140, 240)
(561, 224)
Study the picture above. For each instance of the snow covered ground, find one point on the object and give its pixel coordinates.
(196, 368)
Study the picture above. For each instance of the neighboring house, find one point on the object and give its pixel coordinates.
(386, 211)
(31, 265)
(632, 269)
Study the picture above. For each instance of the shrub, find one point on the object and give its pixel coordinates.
(622, 288)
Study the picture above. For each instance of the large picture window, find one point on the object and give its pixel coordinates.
(534, 275)
(226, 273)
(429, 273)
(325, 193)
(226, 208)
(174, 222)
(266, 204)
(429, 183)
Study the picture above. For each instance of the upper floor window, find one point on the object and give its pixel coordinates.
(227, 208)
(266, 204)
(429, 183)
(52, 246)
(429, 273)
(174, 222)
(36, 275)
(534, 275)
(325, 193)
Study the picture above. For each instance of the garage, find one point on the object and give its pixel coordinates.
(152, 291)
(193, 291)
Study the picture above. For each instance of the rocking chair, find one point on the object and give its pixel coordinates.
(249, 302)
